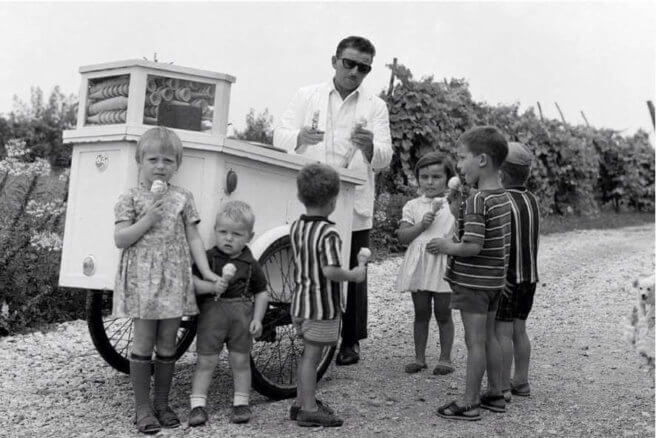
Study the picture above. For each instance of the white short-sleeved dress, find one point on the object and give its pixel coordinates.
(420, 269)
(154, 274)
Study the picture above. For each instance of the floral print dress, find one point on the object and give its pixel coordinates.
(154, 274)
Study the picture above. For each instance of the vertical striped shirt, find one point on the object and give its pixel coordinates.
(485, 219)
(524, 236)
(315, 243)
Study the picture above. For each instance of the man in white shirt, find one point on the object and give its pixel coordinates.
(340, 123)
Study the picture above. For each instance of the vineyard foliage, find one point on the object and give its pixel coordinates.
(577, 169)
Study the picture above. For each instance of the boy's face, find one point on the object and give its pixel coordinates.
(469, 164)
(231, 236)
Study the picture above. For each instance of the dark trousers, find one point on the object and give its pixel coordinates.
(354, 321)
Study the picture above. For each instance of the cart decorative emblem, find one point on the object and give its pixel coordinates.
(102, 161)
(89, 266)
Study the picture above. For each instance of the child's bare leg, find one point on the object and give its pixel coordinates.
(307, 376)
(167, 330)
(494, 358)
(445, 324)
(504, 331)
(241, 376)
(422, 304)
(522, 351)
(474, 324)
(205, 365)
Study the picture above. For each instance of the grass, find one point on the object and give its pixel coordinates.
(605, 220)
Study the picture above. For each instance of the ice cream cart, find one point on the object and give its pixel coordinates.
(119, 101)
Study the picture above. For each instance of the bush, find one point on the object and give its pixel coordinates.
(33, 199)
(387, 215)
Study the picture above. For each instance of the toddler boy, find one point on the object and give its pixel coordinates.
(317, 301)
(227, 313)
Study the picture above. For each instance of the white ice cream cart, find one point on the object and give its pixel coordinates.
(119, 101)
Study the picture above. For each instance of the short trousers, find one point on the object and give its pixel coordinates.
(516, 301)
(474, 300)
(227, 321)
(318, 331)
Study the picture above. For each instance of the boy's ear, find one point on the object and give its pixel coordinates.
(483, 160)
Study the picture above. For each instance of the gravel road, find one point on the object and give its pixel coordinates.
(585, 379)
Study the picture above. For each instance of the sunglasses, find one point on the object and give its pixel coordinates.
(349, 64)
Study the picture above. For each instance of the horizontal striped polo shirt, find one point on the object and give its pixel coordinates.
(315, 243)
(485, 219)
(524, 236)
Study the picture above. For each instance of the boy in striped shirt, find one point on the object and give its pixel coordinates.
(517, 297)
(317, 302)
(477, 268)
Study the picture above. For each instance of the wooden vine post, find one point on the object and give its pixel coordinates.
(561, 113)
(391, 82)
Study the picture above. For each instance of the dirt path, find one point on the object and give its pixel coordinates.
(585, 379)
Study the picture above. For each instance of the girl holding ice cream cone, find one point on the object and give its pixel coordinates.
(156, 230)
(421, 272)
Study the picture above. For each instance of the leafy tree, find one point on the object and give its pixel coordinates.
(259, 127)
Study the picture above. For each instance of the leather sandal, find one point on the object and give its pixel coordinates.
(147, 423)
(167, 418)
(451, 411)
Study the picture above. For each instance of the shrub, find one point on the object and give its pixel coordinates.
(32, 198)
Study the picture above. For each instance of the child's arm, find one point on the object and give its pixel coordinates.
(407, 232)
(448, 247)
(336, 273)
(261, 303)
(127, 233)
(205, 287)
(198, 254)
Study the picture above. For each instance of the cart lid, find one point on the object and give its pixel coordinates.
(163, 66)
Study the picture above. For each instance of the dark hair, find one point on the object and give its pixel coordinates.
(516, 174)
(435, 158)
(317, 184)
(486, 140)
(355, 42)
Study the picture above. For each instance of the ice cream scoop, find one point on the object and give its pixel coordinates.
(454, 183)
(363, 256)
(228, 271)
(158, 188)
(361, 123)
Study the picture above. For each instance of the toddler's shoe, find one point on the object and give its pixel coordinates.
(507, 395)
(522, 390)
(318, 418)
(197, 416)
(241, 414)
(493, 403)
(293, 410)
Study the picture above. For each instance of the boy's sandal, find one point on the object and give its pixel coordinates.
(442, 368)
(147, 423)
(167, 418)
(523, 390)
(452, 411)
(489, 402)
(507, 395)
(414, 367)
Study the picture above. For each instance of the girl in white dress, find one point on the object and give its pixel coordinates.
(421, 273)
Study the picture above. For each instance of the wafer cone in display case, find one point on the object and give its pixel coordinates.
(108, 117)
(172, 83)
(106, 83)
(151, 85)
(154, 99)
(150, 121)
(113, 103)
(150, 111)
(201, 103)
(166, 93)
(110, 91)
(205, 125)
(183, 94)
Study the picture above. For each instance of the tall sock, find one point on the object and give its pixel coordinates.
(164, 367)
(196, 400)
(140, 377)
(240, 399)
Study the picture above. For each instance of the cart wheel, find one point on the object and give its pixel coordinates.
(113, 336)
(275, 355)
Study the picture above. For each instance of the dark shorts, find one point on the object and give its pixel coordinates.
(473, 300)
(224, 321)
(516, 302)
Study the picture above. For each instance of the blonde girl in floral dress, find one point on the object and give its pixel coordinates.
(421, 272)
(158, 236)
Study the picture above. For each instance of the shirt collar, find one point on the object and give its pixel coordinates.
(307, 218)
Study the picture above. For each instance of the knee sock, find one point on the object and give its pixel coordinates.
(164, 367)
(240, 399)
(140, 377)
(196, 400)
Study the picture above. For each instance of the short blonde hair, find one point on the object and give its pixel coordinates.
(237, 211)
(161, 139)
